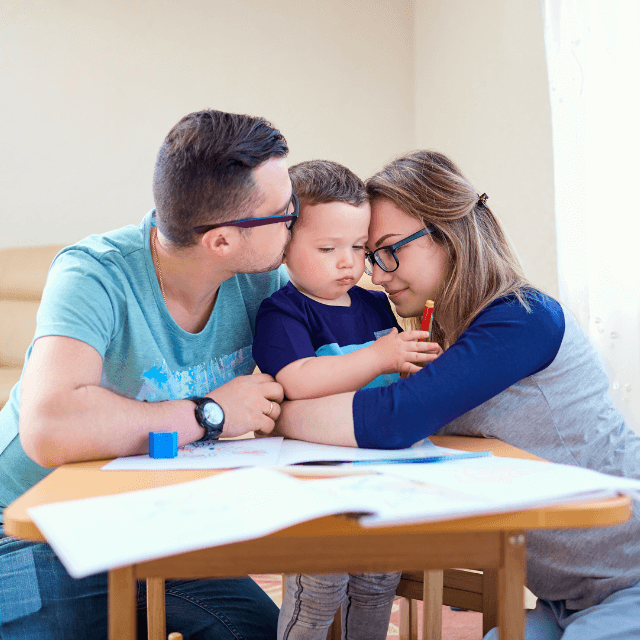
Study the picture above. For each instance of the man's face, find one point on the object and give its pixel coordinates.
(266, 243)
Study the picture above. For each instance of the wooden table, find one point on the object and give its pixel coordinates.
(325, 545)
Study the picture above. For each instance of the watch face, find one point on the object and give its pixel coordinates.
(212, 413)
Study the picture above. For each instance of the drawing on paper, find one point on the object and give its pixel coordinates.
(212, 449)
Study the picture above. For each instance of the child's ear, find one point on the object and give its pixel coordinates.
(284, 258)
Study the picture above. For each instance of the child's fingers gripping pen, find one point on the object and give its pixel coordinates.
(425, 325)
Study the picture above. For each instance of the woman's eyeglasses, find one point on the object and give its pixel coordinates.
(386, 258)
(288, 218)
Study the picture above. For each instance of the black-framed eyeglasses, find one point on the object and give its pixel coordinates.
(288, 218)
(386, 258)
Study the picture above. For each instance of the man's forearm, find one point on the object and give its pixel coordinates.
(66, 416)
(92, 423)
(326, 420)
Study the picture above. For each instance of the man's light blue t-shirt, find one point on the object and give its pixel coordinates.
(104, 291)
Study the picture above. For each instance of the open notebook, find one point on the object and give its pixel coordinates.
(97, 534)
(277, 452)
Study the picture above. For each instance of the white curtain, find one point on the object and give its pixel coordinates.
(593, 58)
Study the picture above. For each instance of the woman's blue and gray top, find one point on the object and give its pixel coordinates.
(533, 380)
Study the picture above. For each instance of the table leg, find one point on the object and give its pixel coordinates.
(511, 576)
(122, 604)
(489, 600)
(408, 619)
(432, 605)
(156, 614)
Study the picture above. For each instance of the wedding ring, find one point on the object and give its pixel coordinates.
(270, 409)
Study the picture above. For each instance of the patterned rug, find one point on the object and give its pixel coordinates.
(456, 625)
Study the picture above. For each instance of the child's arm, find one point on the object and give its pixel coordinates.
(318, 376)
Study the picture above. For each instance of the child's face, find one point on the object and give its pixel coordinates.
(325, 257)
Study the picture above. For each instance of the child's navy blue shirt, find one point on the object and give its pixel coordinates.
(291, 326)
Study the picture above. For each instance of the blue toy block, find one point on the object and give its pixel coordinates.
(163, 444)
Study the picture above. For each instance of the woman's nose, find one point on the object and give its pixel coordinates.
(379, 275)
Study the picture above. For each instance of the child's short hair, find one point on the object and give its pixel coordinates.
(324, 181)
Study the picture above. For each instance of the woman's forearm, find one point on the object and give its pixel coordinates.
(326, 420)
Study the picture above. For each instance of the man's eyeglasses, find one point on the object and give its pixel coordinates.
(386, 258)
(288, 218)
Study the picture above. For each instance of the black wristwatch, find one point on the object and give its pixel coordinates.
(210, 417)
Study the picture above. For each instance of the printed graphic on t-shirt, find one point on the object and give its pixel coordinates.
(160, 383)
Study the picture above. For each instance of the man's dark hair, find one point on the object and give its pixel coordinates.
(203, 172)
(324, 181)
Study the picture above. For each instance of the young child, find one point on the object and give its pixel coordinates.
(321, 335)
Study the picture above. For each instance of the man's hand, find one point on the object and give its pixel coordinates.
(250, 403)
(404, 352)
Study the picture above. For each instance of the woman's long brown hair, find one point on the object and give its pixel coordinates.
(482, 266)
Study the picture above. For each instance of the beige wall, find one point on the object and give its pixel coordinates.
(482, 98)
(89, 89)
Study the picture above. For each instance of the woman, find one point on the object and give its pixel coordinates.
(516, 366)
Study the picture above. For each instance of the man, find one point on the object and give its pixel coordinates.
(149, 328)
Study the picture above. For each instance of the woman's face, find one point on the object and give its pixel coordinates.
(422, 262)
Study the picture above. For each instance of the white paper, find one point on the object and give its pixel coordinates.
(97, 534)
(265, 452)
(394, 500)
(495, 485)
(214, 454)
(299, 451)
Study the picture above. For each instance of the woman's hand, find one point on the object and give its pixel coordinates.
(405, 352)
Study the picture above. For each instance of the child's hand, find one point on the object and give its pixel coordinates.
(405, 352)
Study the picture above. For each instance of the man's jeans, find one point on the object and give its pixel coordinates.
(311, 602)
(38, 599)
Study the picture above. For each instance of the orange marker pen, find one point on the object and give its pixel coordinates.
(425, 325)
(427, 317)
